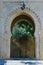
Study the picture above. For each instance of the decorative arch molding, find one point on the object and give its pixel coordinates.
(7, 27)
(23, 16)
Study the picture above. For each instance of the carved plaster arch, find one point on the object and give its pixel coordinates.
(7, 24)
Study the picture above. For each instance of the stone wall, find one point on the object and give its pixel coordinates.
(6, 17)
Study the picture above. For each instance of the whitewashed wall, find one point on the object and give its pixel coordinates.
(5, 8)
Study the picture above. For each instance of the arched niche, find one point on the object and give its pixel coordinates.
(27, 46)
(9, 24)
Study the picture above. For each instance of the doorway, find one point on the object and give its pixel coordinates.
(23, 48)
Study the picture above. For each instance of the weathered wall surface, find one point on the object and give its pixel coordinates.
(5, 8)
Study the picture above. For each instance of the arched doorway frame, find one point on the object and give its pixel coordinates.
(7, 24)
